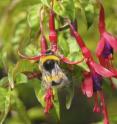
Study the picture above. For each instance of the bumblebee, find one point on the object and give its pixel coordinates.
(52, 74)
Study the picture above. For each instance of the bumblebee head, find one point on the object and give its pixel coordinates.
(48, 61)
(49, 65)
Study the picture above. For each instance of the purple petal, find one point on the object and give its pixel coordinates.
(111, 40)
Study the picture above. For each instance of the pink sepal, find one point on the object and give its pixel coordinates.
(100, 47)
(87, 86)
(101, 70)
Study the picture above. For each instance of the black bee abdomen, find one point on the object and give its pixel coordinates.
(49, 65)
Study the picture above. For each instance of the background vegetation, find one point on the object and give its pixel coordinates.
(19, 28)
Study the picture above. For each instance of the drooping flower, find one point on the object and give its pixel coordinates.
(88, 57)
(107, 44)
(92, 84)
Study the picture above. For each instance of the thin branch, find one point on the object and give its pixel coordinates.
(64, 27)
(32, 75)
(41, 20)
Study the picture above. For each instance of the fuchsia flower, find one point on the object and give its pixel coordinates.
(107, 43)
(92, 84)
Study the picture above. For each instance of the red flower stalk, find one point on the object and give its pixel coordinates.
(107, 43)
(53, 34)
(48, 99)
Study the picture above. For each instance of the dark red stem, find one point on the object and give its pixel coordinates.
(101, 19)
(53, 34)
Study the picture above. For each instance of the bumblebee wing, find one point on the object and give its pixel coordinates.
(58, 76)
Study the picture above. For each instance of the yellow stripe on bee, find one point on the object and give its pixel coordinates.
(55, 78)
(50, 79)
(49, 57)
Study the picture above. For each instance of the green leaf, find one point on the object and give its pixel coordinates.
(19, 33)
(4, 81)
(84, 2)
(56, 103)
(65, 8)
(4, 103)
(74, 52)
(20, 108)
(36, 113)
(33, 15)
(77, 4)
(69, 96)
(21, 78)
(46, 2)
(73, 47)
(89, 13)
(31, 50)
(39, 91)
(63, 45)
(15, 72)
(24, 66)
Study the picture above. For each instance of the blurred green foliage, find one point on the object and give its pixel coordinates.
(19, 28)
